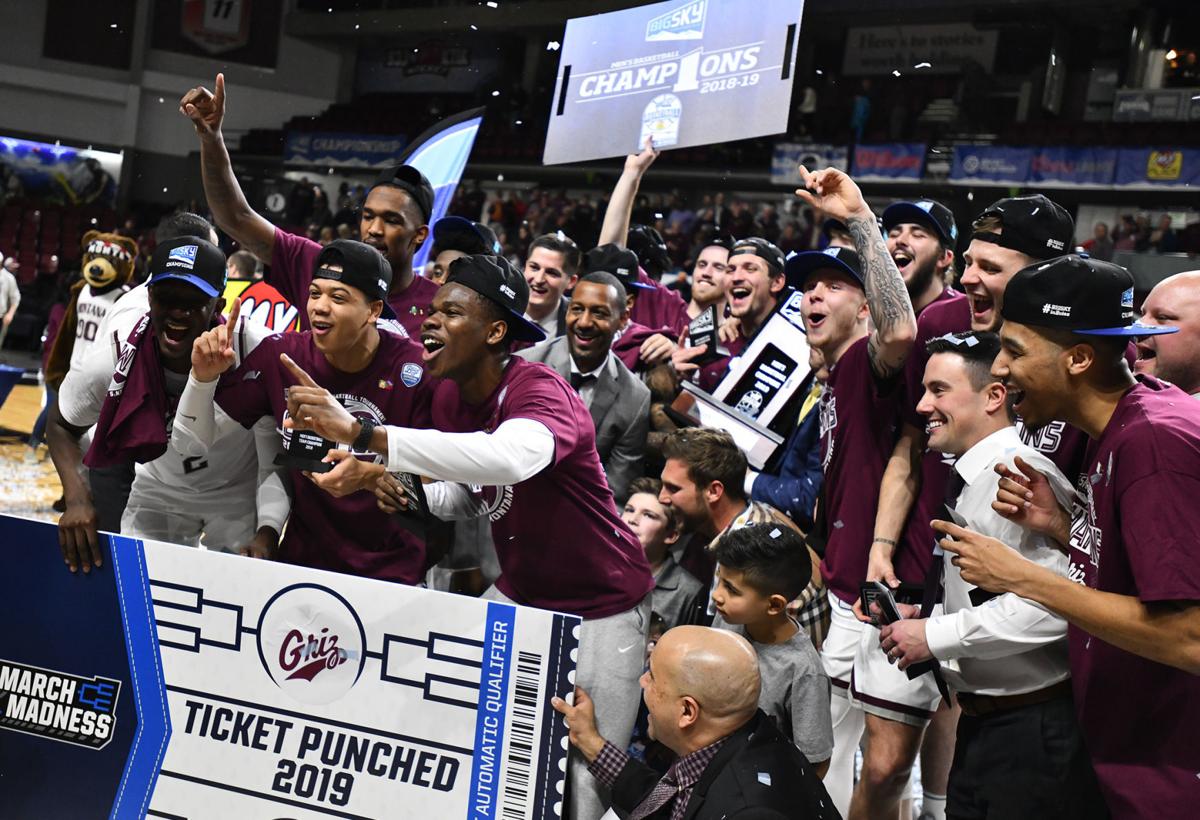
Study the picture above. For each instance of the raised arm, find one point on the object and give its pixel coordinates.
(897, 492)
(620, 204)
(892, 318)
(233, 214)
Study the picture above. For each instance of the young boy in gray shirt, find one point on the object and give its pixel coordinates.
(760, 568)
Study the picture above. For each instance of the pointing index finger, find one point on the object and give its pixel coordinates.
(219, 96)
(302, 378)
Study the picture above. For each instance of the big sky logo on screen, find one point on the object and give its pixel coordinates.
(683, 23)
(311, 643)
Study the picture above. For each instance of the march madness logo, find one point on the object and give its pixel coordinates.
(58, 705)
(311, 643)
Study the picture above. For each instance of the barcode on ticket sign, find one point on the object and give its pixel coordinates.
(519, 769)
(527, 694)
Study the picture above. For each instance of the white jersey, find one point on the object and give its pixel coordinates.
(173, 480)
(90, 311)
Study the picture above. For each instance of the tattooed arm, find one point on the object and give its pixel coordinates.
(231, 211)
(893, 321)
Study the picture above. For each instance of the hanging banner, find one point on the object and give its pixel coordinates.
(890, 161)
(1073, 166)
(683, 72)
(441, 153)
(341, 150)
(1158, 167)
(172, 679)
(938, 48)
(789, 156)
(990, 163)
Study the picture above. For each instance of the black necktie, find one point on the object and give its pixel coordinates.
(578, 380)
(933, 586)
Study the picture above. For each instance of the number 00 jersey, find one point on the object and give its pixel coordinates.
(90, 310)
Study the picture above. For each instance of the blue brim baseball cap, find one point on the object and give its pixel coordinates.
(1135, 329)
(189, 259)
(798, 267)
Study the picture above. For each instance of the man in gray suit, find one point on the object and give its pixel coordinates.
(618, 401)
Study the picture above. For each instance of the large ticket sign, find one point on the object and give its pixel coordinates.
(177, 683)
(683, 72)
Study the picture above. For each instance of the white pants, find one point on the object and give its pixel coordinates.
(223, 521)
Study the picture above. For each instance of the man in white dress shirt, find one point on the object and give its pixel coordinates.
(1019, 751)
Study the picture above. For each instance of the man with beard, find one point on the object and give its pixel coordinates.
(617, 400)
(1132, 593)
(756, 282)
(515, 441)
(921, 236)
(335, 524)
(393, 218)
(174, 498)
(1174, 302)
(710, 278)
(842, 290)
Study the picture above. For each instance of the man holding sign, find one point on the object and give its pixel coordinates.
(519, 445)
(376, 375)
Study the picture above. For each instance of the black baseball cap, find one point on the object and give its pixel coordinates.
(1076, 293)
(1033, 225)
(362, 267)
(649, 246)
(413, 182)
(620, 262)
(495, 278)
(767, 251)
(189, 259)
(719, 239)
(455, 233)
(800, 265)
(923, 212)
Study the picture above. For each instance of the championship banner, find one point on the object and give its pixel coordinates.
(787, 158)
(341, 150)
(173, 682)
(890, 162)
(990, 164)
(441, 153)
(1158, 167)
(1073, 166)
(683, 72)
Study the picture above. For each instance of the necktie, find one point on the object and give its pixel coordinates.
(933, 586)
(578, 380)
(663, 793)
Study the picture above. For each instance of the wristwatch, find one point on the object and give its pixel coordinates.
(362, 442)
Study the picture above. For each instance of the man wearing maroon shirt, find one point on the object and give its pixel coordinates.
(756, 284)
(377, 376)
(1132, 596)
(393, 219)
(516, 443)
(858, 409)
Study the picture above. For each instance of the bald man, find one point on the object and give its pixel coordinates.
(701, 691)
(1175, 357)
